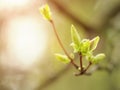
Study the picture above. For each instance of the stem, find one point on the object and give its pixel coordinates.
(83, 72)
(59, 41)
(86, 68)
(76, 66)
(81, 65)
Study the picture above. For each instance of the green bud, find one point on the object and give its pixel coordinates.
(45, 11)
(98, 58)
(85, 46)
(62, 58)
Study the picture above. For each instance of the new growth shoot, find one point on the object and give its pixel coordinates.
(82, 47)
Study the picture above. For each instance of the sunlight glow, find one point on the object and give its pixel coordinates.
(12, 3)
(26, 40)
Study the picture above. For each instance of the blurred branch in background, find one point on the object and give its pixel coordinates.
(100, 20)
(55, 77)
(65, 11)
(105, 11)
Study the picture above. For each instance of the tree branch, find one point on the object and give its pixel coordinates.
(55, 77)
(71, 16)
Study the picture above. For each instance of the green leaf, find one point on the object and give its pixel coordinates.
(94, 43)
(45, 11)
(75, 39)
(62, 58)
(85, 46)
(98, 58)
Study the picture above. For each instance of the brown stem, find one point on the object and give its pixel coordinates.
(76, 66)
(86, 68)
(81, 65)
(84, 71)
(62, 45)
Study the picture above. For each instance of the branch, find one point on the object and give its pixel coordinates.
(55, 77)
(104, 14)
(71, 16)
(98, 22)
(71, 60)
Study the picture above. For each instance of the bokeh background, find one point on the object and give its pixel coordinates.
(28, 44)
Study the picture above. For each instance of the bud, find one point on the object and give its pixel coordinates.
(45, 11)
(62, 58)
(98, 58)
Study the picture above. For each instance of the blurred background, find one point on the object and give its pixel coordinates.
(28, 44)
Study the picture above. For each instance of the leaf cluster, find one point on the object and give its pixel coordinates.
(85, 47)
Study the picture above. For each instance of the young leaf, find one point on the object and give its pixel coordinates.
(94, 43)
(85, 46)
(75, 39)
(45, 11)
(62, 58)
(98, 58)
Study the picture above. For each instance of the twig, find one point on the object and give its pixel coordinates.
(84, 71)
(81, 65)
(86, 68)
(72, 62)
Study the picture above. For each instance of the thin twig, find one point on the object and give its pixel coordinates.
(86, 68)
(62, 45)
(84, 71)
(81, 65)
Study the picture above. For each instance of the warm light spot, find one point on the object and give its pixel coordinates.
(12, 3)
(26, 40)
